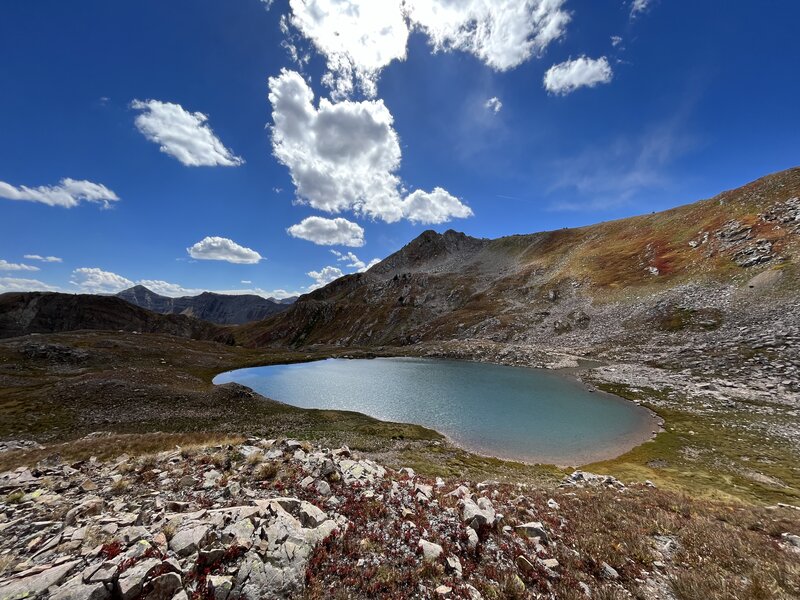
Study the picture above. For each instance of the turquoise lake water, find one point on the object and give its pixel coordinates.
(511, 412)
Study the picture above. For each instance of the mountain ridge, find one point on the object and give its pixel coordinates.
(222, 309)
(533, 288)
(23, 313)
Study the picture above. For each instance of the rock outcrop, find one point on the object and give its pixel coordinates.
(252, 521)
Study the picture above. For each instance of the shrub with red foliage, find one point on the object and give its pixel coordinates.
(111, 550)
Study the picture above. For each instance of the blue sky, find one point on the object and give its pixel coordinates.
(366, 138)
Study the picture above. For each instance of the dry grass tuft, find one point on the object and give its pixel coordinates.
(255, 458)
(265, 472)
(119, 487)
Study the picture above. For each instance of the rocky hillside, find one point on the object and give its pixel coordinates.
(719, 263)
(48, 312)
(285, 519)
(223, 309)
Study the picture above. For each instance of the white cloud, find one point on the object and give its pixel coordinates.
(97, 281)
(175, 290)
(353, 262)
(369, 265)
(359, 38)
(639, 6)
(328, 232)
(166, 288)
(220, 248)
(15, 284)
(182, 134)
(494, 104)
(324, 276)
(246, 281)
(616, 40)
(568, 76)
(8, 266)
(501, 33)
(67, 194)
(47, 259)
(341, 156)
(438, 206)
(92, 280)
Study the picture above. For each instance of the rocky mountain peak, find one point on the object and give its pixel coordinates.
(428, 248)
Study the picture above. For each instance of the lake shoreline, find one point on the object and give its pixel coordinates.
(648, 424)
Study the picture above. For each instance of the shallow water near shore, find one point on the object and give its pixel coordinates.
(518, 413)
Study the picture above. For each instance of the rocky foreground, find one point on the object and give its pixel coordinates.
(283, 519)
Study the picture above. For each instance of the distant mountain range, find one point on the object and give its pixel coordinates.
(23, 313)
(223, 309)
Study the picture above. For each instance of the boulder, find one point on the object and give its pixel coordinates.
(220, 586)
(165, 587)
(76, 589)
(35, 584)
(130, 582)
(534, 529)
(187, 541)
(430, 550)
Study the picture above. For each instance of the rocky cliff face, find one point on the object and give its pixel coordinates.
(223, 309)
(47, 312)
(723, 262)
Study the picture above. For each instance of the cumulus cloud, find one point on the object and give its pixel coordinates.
(182, 134)
(220, 248)
(359, 38)
(67, 194)
(438, 206)
(494, 104)
(501, 33)
(328, 232)
(47, 259)
(568, 76)
(92, 280)
(616, 40)
(353, 262)
(9, 266)
(324, 276)
(16, 284)
(341, 156)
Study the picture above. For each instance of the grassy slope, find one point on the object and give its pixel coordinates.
(155, 391)
(707, 456)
